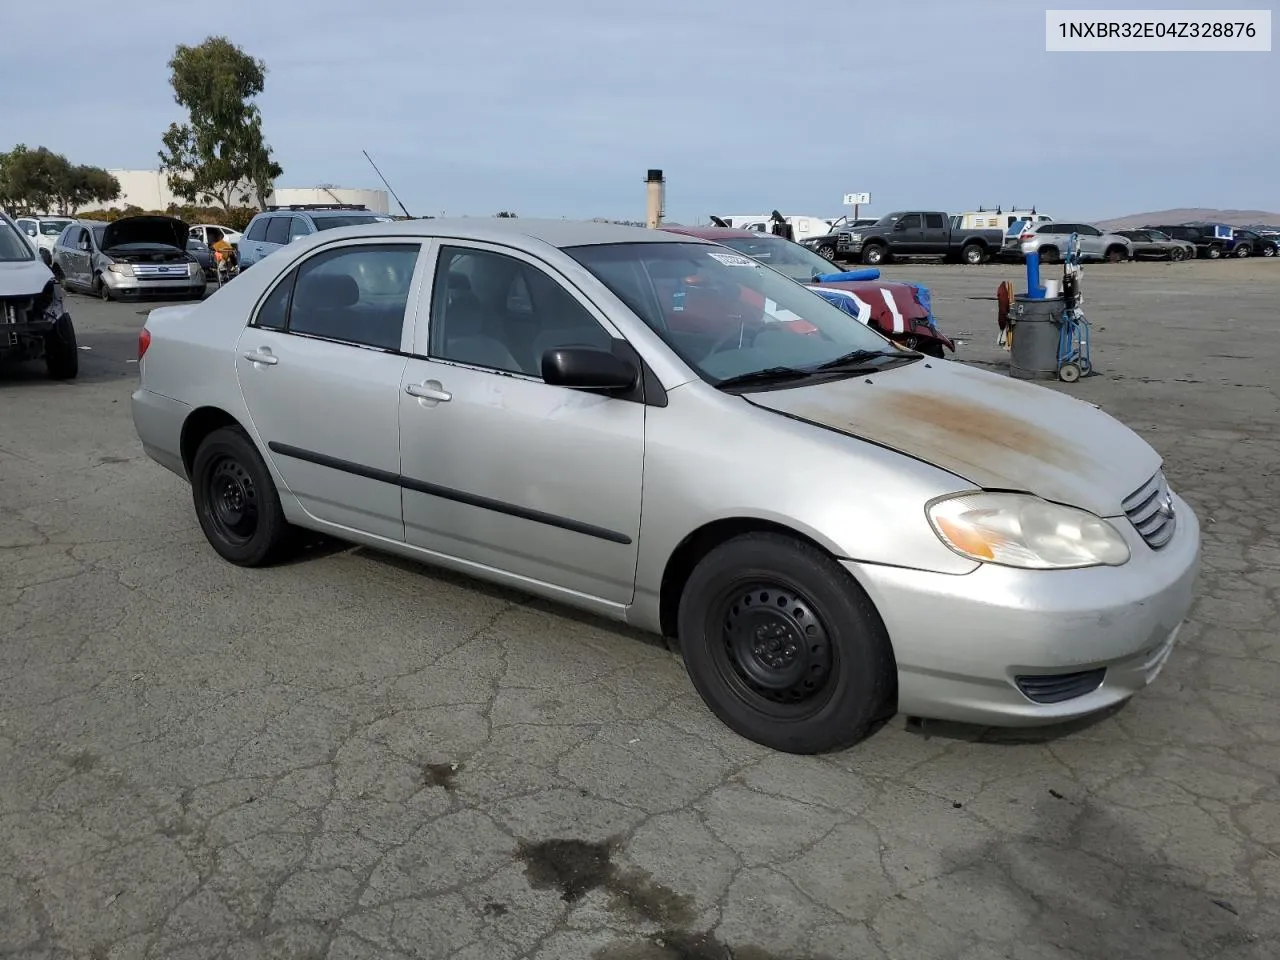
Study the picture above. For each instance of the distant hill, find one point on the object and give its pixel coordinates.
(1237, 218)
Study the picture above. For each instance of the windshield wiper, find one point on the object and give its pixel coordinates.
(767, 375)
(861, 357)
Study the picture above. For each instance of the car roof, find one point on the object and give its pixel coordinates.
(555, 233)
(714, 233)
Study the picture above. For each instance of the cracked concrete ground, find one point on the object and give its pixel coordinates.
(355, 757)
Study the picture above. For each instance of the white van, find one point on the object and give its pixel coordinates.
(801, 227)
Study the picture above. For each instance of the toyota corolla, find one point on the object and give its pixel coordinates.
(832, 528)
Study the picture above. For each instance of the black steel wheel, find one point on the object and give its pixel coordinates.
(784, 646)
(236, 500)
(61, 351)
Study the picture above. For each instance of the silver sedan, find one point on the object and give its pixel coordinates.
(665, 432)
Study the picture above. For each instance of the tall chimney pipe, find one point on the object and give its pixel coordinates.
(655, 198)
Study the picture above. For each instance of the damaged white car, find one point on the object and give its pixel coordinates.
(34, 325)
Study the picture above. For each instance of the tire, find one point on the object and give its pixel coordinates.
(1048, 254)
(1243, 251)
(1214, 252)
(46, 257)
(845, 676)
(1177, 254)
(236, 500)
(61, 352)
(973, 254)
(1069, 372)
(1268, 250)
(101, 290)
(1116, 254)
(874, 254)
(829, 252)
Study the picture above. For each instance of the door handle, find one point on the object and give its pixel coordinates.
(261, 356)
(431, 390)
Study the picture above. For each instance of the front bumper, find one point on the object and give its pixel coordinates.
(961, 642)
(183, 284)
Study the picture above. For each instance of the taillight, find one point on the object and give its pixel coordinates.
(144, 341)
(1027, 236)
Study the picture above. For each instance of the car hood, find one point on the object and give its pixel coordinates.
(877, 294)
(23, 278)
(993, 431)
(169, 231)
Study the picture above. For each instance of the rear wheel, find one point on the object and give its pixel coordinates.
(61, 352)
(973, 253)
(236, 500)
(1269, 250)
(1214, 252)
(1243, 250)
(784, 646)
(1048, 254)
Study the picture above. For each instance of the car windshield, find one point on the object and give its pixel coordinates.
(13, 245)
(797, 262)
(727, 315)
(329, 223)
(51, 228)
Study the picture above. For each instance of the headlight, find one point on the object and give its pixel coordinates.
(1018, 530)
(124, 269)
(194, 268)
(855, 236)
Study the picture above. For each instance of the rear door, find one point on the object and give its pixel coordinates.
(251, 242)
(936, 236)
(320, 368)
(278, 230)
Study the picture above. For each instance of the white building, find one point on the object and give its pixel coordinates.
(149, 189)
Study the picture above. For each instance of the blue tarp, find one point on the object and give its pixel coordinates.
(871, 274)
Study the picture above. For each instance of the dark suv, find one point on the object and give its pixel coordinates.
(1208, 244)
(276, 226)
(1255, 243)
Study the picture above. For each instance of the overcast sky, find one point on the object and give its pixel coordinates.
(558, 107)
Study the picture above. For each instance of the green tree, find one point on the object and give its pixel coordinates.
(39, 180)
(220, 149)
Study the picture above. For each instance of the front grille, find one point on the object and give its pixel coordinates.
(160, 271)
(1150, 510)
(1058, 687)
(842, 238)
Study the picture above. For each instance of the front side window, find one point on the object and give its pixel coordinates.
(355, 294)
(13, 246)
(493, 310)
(727, 315)
(51, 228)
(910, 222)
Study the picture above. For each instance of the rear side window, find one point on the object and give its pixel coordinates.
(298, 228)
(934, 221)
(355, 294)
(257, 230)
(278, 230)
(274, 313)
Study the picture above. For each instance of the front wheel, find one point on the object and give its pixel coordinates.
(784, 646)
(101, 288)
(829, 252)
(1214, 253)
(873, 255)
(1176, 254)
(236, 500)
(61, 352)
(1268, 251)
(1116, 254)
(931, 348)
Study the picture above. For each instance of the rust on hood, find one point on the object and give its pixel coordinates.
(994, 432)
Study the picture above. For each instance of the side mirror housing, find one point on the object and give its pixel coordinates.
(83, 245)
(586, 368)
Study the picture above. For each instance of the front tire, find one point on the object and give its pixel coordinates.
(1116, 255)
(829, 252)
(236, 500)
(1214, 252)
(61, 352)
(101, 288)
(874, 255)
(784, 646)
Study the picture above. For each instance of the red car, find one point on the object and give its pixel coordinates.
(895, 308)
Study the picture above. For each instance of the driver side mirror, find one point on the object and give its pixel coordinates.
(587, 368)
(83, 245)
(899, 227)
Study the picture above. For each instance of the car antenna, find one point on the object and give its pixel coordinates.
(384, 181)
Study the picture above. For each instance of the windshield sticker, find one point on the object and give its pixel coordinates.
(732, 259)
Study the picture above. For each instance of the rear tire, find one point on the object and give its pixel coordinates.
(784, 646)
(973, 254)
(1268, 251)
(1243, 251)
(236, 500)
(1048, 254)
(1214, 252)
(61, 352)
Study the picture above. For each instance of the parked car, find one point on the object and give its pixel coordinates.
(210, 233)
(826, 244)
(276, 226)
(1208, 243)
(34, 323)
(900, 310)
(43, 232)
(1050, 240)
(832, 528)
(1255, 243)
(917, 233)
(128, 258)
(1152, 244)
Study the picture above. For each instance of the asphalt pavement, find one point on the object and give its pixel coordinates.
(352, 756)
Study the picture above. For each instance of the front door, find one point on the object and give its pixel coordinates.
(501, 469)
(908, 234)
(79, 257)
(320, 367)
